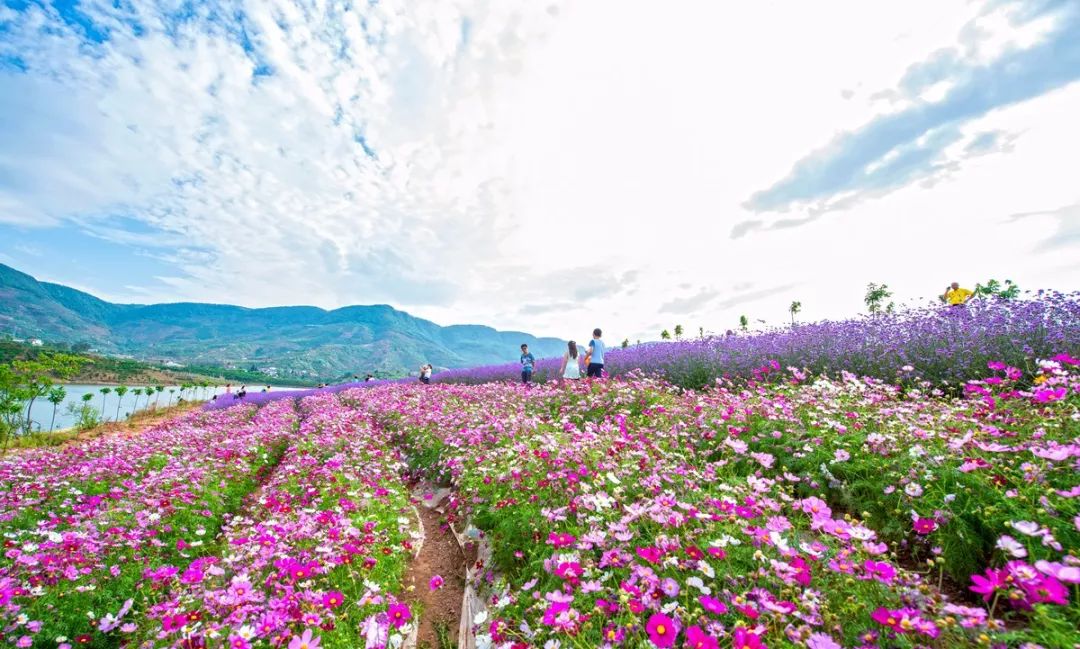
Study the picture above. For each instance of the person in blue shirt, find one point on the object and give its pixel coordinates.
(596, 356)
(527, 362)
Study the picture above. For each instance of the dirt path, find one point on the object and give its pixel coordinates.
(440, 610)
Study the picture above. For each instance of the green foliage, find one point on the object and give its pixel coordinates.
(744, 322)
(998, 290)
(794, 309)
(23, 381)
(875, 297)
(665, 335)
(678, 332)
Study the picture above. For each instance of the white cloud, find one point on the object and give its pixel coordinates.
(592, 158)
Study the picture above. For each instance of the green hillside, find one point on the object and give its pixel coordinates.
(298, 341)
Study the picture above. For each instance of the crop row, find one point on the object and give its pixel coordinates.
(788, 512)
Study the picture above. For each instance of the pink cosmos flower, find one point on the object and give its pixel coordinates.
(399, 615)
(988, 583)
(712, 605)
(744, 639)
(880, 570)
(436, 582)
(698, 639)
(822, 641)
(304, 641)
(924, 526)
(333, 599)
(561, 540)
(661, 630)
(236, 642)
(1048, 590)
(649, 553)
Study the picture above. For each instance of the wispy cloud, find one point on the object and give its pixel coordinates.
(909, 143)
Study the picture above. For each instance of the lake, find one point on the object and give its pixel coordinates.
(42, 411)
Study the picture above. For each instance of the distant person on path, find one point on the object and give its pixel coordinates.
(369, 377)
(571, 364)
(425, 374)
(527, 363)
(956, 296)
(228, 388)
(596, 356)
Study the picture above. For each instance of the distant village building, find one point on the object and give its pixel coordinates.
(172, 364)
(269, 371)
(36, 342)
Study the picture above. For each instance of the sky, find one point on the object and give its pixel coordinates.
(541, 166)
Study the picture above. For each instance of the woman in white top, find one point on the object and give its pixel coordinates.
(571, 367)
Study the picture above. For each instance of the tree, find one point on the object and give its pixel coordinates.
(121, 390)
(664, 335)
(995, 289)
(171, 392)
(104, 393)
(678, 332)
(875, 298)
(158, 389)
(701, 332)
(744, 322)
(795, 307)
(625, 343)
(56, 396)
(138, 393)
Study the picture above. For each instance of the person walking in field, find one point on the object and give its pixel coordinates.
(571, 364)
(956, 296)
(527, 363)
(595, 357)
(425, 373)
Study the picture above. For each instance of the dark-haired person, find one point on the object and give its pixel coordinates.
(571, 364)
(369, 377)
(596, 356)
(527, 363)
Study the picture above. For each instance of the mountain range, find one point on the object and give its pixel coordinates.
(299, 341)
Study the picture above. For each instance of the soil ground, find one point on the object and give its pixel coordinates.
(440, 610)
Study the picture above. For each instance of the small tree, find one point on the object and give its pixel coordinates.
(678, 332)
(625, 343)
(795, 307)
(171, 392)
(995, 289)
(121, 390)
(138, 393)
(158, 389)
(104, 393)
(875, 298)
(664, 335)
(744, 322)
(56, 396)
(701, 332)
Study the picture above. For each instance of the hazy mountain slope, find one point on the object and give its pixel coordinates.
(301, 340)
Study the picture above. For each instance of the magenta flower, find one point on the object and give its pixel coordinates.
(698, 639)
(436, 582)
(988, 584)
(661, 630)
(1047, 590)
(399, 615)
(333, 599)
(649, 553)
(712, 605)
(924, 526)
(744, 639)
(236, 642)
(304, 641)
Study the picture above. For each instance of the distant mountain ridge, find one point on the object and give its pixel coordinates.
(297, 340)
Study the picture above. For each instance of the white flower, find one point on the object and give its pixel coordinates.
(913, 489)
(552, 644)
(1011, 546)
(247, 632)
(480, 618)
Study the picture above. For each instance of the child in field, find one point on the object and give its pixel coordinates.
(595, 356)
(527, 362)
(571, 367)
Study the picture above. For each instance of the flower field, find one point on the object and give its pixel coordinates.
(787, 510)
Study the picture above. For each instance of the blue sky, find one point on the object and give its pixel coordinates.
(496, 163)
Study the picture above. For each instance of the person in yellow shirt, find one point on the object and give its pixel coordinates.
(956, 296)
